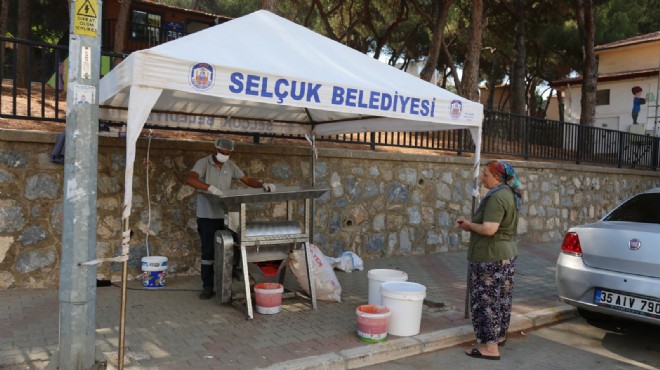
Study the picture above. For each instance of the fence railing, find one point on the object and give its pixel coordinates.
(33, 76)
(36, 92)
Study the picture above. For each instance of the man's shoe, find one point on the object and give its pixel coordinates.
(206, 294)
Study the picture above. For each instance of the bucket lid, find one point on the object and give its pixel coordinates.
(379, 274)
(156, 259)
(403, 290)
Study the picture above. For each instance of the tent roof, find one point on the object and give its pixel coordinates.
(264, 73)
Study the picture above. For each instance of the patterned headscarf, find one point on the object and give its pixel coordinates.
(507, 176)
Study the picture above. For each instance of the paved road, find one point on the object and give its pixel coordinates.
(573, 344)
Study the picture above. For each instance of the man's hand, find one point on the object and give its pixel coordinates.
(215, 191)
(269, 187)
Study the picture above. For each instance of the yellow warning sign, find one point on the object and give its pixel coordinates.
(86, 17)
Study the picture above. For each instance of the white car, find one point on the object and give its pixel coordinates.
(612, 266)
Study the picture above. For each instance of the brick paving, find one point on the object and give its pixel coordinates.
(169, 328)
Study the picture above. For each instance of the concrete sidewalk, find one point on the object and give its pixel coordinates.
(170, 328)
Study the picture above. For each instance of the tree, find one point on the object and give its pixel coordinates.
(122, 25)
(270, 5)
(383, 22)
(436, 18)
(23, 32)
(4, 20)
(585, 19)
(470, 82)
(518, 73)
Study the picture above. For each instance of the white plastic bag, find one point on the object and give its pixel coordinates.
(325, 281)
(347, 261)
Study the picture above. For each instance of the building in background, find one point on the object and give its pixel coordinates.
(151, 23)
(622, 65)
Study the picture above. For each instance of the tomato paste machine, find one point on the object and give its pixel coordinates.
(246, 242)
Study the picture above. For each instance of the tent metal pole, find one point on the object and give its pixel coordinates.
(475, 186)
(466, 309)
(311, 222)
(122, 313)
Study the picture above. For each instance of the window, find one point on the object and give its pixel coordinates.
(642, 208)
(194, 26)
(603, 97)
(145, 26)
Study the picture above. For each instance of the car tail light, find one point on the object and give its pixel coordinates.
(571, 244)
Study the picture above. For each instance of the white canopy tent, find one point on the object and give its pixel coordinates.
(263, 73)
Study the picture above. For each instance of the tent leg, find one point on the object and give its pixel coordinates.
(475, 186)
(122, 313)
(311, 210)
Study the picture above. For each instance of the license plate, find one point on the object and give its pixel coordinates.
(623, 302)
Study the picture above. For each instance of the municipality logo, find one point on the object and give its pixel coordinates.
(455, 109)
(201, 76)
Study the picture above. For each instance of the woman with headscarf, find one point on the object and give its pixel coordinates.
(492, 255)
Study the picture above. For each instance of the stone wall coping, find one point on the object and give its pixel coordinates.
(180, 144)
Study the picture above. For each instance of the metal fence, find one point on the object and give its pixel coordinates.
(33, 76)
(504, 134)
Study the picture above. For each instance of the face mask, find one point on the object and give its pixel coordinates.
(221, 157)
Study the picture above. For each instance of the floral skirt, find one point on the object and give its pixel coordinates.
(491, 288)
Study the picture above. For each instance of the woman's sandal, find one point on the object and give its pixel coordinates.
(502, 343)
(476, 354)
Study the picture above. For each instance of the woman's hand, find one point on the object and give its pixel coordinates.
(464, 224)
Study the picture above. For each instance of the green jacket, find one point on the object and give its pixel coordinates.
(501, 208)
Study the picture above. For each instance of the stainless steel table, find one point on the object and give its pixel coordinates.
(259, 241)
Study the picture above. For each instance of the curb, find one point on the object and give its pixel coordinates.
(405, 347)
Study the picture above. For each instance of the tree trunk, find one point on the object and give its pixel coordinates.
(122, 26)
(586, 27)
(4, 21)
(437, 25)
(23, 32)
(518, 100)
(270, 5)
(532, 105)
(470, 82)
(547, 105)
(560, 105)
(491, 84)
(452, 68)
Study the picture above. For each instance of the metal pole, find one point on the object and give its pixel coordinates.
(466, 308)
(122, 313)
(311, 219)
(78, 282)
(475, 186)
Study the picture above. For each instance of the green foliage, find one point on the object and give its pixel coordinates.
(49, 20)
(396, 30)
(618, 19)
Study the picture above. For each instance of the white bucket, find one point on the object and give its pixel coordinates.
(405, 301)
(268, 297)
(154, 271)
(379, 276)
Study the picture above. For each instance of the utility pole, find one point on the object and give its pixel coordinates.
(77, 344)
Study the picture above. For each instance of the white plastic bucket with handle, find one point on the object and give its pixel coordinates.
(154, 271)
(405, 301)
(379, 276)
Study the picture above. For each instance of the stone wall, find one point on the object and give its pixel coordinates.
(379, 204)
